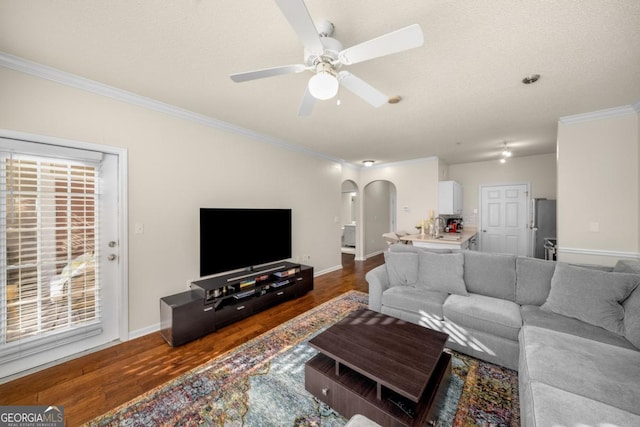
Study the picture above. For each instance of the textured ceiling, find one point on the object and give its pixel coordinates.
(461, 92)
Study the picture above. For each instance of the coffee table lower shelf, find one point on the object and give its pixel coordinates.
(351, 393)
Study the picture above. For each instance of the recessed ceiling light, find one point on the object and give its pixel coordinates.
(531, 79)
(368, 163)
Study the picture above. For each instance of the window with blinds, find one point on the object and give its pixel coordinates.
(49, 277)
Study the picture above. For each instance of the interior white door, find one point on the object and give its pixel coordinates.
(504, 219)
(83, 299)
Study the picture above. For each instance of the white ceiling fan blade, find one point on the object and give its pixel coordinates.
(308, 101)
(363, 89)
(267, 72)
(397, 41)
(298, 16)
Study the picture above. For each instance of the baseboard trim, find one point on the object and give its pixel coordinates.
(144, 331)
(372, 254)
(327, 270)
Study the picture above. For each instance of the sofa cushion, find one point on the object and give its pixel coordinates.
(402, 268)
(532, 315)
(632, 304)
(627, 266)
(533, 280)
(486, 314)
(632, 317)
(441, 273)
(416, 300)
(590, 295)
(598, 371)
(489, 274)
(553, 406)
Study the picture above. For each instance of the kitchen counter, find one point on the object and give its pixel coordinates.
(448, 240)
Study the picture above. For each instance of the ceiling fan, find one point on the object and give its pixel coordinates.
(324, 56)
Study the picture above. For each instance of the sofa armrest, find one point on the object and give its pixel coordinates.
(378, 280)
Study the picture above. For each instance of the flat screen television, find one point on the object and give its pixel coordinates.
(239, 238)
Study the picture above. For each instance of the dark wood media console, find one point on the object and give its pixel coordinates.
(219, 301)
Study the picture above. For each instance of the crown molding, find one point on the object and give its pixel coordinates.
(602, 114)
(25, 66)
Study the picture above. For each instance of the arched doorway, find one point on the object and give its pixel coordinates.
(379, 215)
(349, 214)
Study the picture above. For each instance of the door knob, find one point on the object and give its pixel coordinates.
(112, 244)
(112, 257)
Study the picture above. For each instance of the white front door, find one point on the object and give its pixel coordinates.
(61, 278)
(503, 224)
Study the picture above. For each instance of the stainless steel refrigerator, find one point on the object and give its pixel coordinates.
(542, 225)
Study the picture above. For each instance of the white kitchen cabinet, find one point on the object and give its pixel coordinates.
(449, 198)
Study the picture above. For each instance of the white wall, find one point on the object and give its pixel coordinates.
(599, 186)
(539, 171)
(177, 166)
(416, 185)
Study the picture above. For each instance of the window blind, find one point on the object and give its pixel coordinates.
(49, 240)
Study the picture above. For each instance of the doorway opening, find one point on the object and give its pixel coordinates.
(349, 214)
(379, 215)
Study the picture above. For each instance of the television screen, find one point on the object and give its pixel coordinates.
(232, 238)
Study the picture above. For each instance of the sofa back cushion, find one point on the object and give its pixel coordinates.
(493, 275)
(402, 268)
(533, 280)
(632, 318)
(627, 266)
(590, 295)
(441, 273)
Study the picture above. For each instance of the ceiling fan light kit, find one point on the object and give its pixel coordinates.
(324, 84)
(325, 55)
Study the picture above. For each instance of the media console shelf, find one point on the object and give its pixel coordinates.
(219, 301)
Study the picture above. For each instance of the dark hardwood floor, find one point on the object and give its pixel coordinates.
(91, 385)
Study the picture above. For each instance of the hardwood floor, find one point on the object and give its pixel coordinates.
(91, 385)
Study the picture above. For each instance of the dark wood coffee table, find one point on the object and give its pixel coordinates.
(392, 371)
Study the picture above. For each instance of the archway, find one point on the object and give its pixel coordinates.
(349, 216)
(379, 215)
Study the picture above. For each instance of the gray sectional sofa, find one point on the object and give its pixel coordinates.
(572, 332)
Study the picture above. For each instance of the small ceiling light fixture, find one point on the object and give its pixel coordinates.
(531, 79)
(324, 84)
(368, 163)
(505, 151)
(394, 99)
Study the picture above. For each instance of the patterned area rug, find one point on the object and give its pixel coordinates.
(261, 383)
